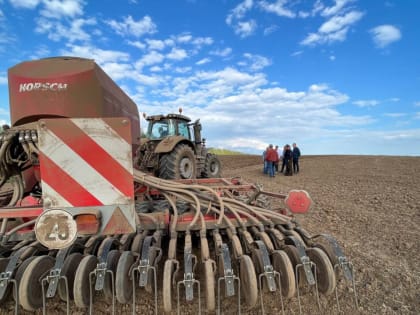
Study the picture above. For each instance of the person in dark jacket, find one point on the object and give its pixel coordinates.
(288, 157)
(283, 160)
(296, 156)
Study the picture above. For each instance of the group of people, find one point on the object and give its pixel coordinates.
(288, 156)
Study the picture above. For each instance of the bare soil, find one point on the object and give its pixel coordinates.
(370, 204)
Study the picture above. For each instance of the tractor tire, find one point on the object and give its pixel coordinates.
(212, 167)
(178, 164)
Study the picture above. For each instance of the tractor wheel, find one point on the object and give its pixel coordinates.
(212, 167)
(178, 164)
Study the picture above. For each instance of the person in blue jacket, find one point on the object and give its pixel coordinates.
(296, 156)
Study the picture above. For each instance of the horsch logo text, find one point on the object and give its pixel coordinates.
(44, 86)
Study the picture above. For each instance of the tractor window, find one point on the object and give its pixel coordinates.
(158, 129)
(183, 129)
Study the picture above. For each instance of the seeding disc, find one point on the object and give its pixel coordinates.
(209, 289)
(293, 255)
(81, 288)
(3, 265)
(123, 281)
(68, 270)
(327, 248)
(283, 265)
(168, 270)
(256, 256)
(324, 270)
(137, 243)
(19, 273)
(111, 263)
(30, 290)
(249, 286)
(150, 285)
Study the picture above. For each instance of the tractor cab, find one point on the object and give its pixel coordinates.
(162, 126)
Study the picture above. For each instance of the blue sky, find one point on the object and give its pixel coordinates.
(337, 77)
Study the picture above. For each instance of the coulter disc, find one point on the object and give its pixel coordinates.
(19, 273)
(168, 271)
(209, 286)
(123, 280)
(283, 265)
(111, 262)
(324, 271)
(68, 270)
(249, 284)
(30, 290)
(81, 287)
(293, 255)
(3, 265)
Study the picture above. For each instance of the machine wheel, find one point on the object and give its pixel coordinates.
(168, 271)
(325, 247)
(212, 167)
(209, 289)
(283, 265)
(259, 267)
(137, 243)
(69, 271)
(19, 273)
(178, 164)
(123, 281)
(3, 264)
(249, 284)
(293, 255)
(111, 263)
(324, 271)
(150, 285)
(81, 288)
(30, 289)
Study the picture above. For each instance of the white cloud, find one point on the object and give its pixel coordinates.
(246, 28)
(366, 103)
(395, 115)
(257, 62)
(177, 54)
(57, 30)
(335, 29)
(417, 104)
(221, 52)
(99, 55)
(203, 61)
(3, 79)
(25, 4)
(239, 11)
(62, 8)
(130, 27)
(137, 44)
(185, 38)
(332, 57)
(278, 8)
(296, 53)
(383, 35)
(335, 9)
(152, 58)
(155, 44)
(270, 29)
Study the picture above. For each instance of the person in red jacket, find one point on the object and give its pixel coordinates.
(271, 157)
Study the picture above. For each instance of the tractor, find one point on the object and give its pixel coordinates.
(174, 149)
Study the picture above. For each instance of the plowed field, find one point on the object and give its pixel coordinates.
(371, 204)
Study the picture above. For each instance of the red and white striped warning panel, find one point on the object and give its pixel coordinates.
(87, 162)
